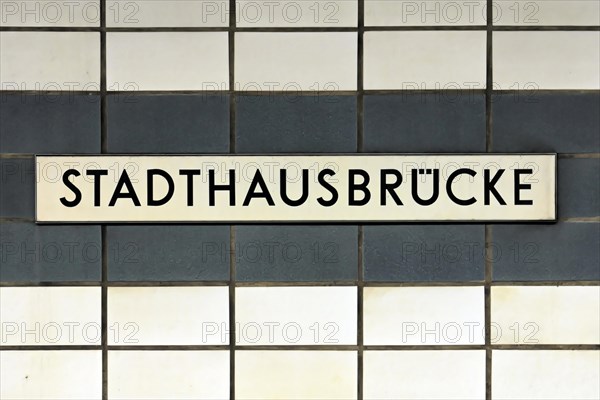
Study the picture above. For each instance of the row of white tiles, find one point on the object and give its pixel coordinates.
(297, 13)
(307, 61)
(300, 315)
(292, 374)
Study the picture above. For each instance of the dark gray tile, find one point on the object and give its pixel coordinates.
(296, 253)
(564, 251)
(424, 123)
(416, 253)
(49, 123)
(303, 124)
(168, 253)
(578, 187)
(43, 253)
(17, 188)
(168, 124)
(538, 122)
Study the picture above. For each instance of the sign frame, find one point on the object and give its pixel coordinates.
(302, 222)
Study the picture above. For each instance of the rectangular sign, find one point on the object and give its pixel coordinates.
(296, 188)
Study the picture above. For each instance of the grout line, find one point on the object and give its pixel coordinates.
(294, 283)
(360, 239)
(489, 88)
(232, 92)
(360, 314)
(308, 347)
(340, 347)
(202, 347)
(488, 311)
(232, 228)
(103, 228)
(104, 315)
(232, 332)
(16, 219)
(167, 283)
(294, 94)
(578, 155)
(387, 28)
(49, 347)
(489, 85)
(362, 283)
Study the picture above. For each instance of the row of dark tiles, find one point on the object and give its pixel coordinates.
(403, 253)
(578, 188)
(196, 123)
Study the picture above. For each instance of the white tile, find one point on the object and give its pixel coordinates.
(443, 375)
(545, 374)
(547, 12)
(168, 315)
(297, 14)
(167, 13)
(291, 374)
(294, 61)
(546, 314)
(423, 315)
(56, 374)
(50, 13)
(50, 61)
(296, 315)
(50, 315)
(158, 375)
(424, 13)
(546, 60)
(425, 60)
(167, 61)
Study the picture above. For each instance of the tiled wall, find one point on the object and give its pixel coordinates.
(306, 312)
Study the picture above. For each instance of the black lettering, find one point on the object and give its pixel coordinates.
(451, 179)
(488, 187)
(264, 192)
(329, 187)
(522, 186)
(415, 184)
(283, 188)
(212, 188)
(119, 194)
(171, 187)
(190, 173)
(389, 187)
(363, 187)
(97, 173)
(74, 189)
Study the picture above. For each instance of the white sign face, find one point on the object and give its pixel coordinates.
(296, 188)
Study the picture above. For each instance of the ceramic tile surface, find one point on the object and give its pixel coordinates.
(532, 60)
(152, 61)
(305, 61)
(168, 374)
(145, 316)
(424, 60)
(296, 315)
(423, 315)
(546, 374)
(53, 374)
(41, 316)
(546, 315)
(298, 310)
(296, 375)
(71, 61)
(424, 374)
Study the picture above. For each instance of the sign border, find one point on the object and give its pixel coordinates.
(303, 222)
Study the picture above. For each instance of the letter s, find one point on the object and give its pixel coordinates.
(73, 188)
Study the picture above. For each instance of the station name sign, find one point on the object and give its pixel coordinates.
(295, 188)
